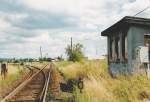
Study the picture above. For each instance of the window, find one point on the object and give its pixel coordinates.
(124, 48)
(117, 48)
(113, 49)
(110, 48)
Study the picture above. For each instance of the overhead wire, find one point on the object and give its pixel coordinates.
(142, 11)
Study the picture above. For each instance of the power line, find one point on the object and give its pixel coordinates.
(142, 11)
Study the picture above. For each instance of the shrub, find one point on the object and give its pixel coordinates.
(75, 53)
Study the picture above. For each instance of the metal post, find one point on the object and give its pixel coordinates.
(71, 48)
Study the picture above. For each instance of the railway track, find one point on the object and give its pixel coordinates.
(34, 88)
(23, 77)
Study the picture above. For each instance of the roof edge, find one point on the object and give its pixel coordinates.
(126, 20)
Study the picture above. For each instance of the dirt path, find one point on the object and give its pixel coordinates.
(56, 92)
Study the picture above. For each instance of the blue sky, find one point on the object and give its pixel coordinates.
(25, 25)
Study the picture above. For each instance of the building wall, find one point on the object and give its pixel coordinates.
(135, 38)
(116, 67)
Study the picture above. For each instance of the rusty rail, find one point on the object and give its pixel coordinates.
(21, 86)
(46, 86)
(44, 92)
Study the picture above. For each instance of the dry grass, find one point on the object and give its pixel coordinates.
(15, 74)
(14, 71)
(37, 64)
(100, 87)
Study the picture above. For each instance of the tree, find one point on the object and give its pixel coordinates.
(75, 53)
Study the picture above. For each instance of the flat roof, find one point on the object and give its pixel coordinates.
(126, 21)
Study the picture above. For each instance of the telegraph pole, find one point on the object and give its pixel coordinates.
(71, 44)
(41, 51)
(71, 48)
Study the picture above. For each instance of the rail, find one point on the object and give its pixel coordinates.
(43, 99)
(21, 86)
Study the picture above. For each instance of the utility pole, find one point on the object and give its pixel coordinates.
(71, 48)
(71, 44)
(41, 51)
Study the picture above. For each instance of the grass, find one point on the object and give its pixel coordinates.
(100, 87)
(63, 63)
(14, 72)
(10, 78)
(37, 64)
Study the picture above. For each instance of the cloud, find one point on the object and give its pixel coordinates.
(28, 24)
(44, 21)
(11, 6)
(22, 16)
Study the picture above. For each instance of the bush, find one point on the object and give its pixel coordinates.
(75, 53)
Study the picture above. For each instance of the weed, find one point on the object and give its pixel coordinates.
(100, 87)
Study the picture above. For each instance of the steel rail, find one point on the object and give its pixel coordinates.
(43, 95)
(28, 76)
(30, 73)
(21, 86)
(45, 81)
(46, 85)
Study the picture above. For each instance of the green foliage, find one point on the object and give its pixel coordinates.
(43, 59)
(21, 63)
(16, 61)
(75, 53)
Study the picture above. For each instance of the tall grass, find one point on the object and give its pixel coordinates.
(9, 79)
(15, 72)
(100, 87)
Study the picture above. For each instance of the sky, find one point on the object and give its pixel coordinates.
(25, 25)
